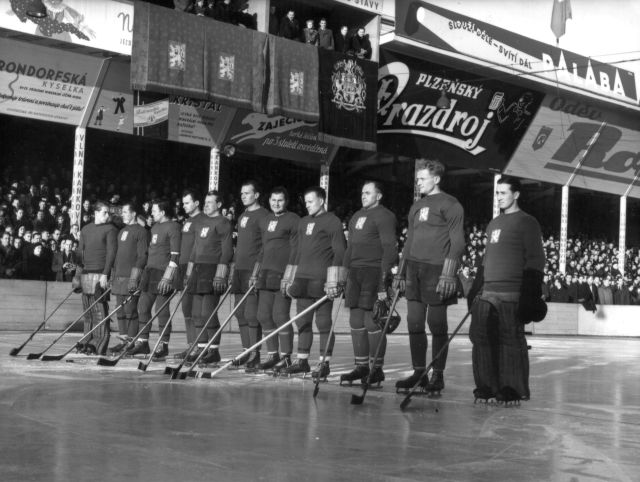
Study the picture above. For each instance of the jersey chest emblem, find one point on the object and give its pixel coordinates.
(204, 232)
(272, 226)
(123, 236)
(186, 227)
(154, 239)
(244, 221)
(423, 215)
(360, 222)
(495, 236)
(309, 230)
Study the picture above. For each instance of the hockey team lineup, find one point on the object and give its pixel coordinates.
(280, 257)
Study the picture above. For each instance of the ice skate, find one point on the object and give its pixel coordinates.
(360, 372)
(508, 396)
(436, 384)
(237, 363)
(285, 362)
(270, 363)
(483, 394)
(298, 367)
(253, 362)
(117, 349)
(211, 357)
(192, 357)
(139, 348)
(161, 352)
(376, 378)
(406, 384)
(321, 372)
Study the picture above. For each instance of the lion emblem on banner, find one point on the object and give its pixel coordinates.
(348, 86)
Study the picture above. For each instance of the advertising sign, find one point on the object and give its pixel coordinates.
(480, 128)
(44, 83)
(563, 130)
(447, 30)
(113, 108)
(279, 137)
(106, 25)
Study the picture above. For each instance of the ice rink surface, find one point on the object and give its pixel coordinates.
(77, 421)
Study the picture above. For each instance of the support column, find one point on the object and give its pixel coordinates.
(622, 239)
(324, 181)
(214, 168)
(78, 175)
(564, 224)
(496, 208)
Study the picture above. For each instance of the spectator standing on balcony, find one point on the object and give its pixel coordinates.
(289, 27)
(361, 45)
(224, 12)
(325, 36)
(245, 19)
(310, 33)
(343, 41)
(274, 21)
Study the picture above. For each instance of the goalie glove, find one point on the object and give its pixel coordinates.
(531, 306)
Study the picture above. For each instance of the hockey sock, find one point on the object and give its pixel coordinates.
(417, 336)
(437, 320)
(272, 343)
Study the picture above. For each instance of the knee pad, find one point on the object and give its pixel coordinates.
(416, 314)
(437, 320)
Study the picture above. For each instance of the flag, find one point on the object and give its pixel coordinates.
(561, 13)
(348, 100)
(293, 79)
(168, 51)
(235, 65)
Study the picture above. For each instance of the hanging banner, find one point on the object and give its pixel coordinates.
(279, 137)
(44, 83)
(378, 7)
(443, 29)
(557, 139)
(198, 57)
(102, 25)
(348, 102)
(480, 128)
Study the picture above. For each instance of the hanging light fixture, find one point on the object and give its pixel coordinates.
(443, 101)
(229, 150)
(36, 9)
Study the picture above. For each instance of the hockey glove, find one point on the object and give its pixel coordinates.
(400, 278)
(220, 279)
(187, 275)
(103, 281)
(476, 287)
(253, 279)
(448, 281)
(287, 279)
(531, 307)
(134, 280)
(336, 281)
(165, 286)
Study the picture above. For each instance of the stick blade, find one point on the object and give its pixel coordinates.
(105, 362)
(316, 389)
(357, 399)
(33, 356)
(15, 351)
(183, 375)
(405, 403)
(52, 358)
(143, 366)
(204, 375)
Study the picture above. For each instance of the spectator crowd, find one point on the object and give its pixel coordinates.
(37, 240)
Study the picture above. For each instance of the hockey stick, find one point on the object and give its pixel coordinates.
(407, 400)
(200, 374)
(106, 319)
(175, 372)
(143, 366)
(106, 362)
(358, 399)
(316, 389)
(15, 351)
(34, 356)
